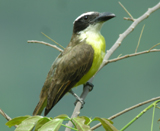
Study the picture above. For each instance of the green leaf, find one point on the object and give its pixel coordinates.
(63, 116)
(16, 121)
(28, 124)
(41, 122)
(52, 125)
(87, 119)
(107, 124)
(80, 123)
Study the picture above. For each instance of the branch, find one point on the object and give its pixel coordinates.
(126, 110)
(131, 17)
(53, 40)
(128, 31)
(139, 39)
(110, 52)
(154, 46)
(131, 55)
(5, 116)
(45, 43)
(78, 106)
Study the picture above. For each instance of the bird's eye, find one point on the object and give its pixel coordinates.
(86, 17)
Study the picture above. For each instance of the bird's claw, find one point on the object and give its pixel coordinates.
(78, 98)
(81, 101)
(90, 86)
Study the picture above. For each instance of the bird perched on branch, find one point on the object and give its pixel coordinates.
(79, 61)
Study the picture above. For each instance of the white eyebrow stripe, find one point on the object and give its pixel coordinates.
(87, 13)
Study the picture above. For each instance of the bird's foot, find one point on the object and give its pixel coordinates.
(81, 101)
(78, 98)
(90, 86)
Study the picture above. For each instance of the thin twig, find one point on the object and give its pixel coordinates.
(131, 55)
(153, 114)
(45, 43)
(53, 40)
(139, 38)
(6, 116)
(131, 17)
(139, 115)
(126, 110)
(157, 107)
(119, 55)
(154, 46)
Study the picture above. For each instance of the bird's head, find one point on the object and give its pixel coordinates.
(90, 21)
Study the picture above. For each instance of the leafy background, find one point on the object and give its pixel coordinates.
(24, 66)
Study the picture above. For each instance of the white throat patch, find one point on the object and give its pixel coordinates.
(92, 31)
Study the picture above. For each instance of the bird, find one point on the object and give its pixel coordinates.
(78, 62)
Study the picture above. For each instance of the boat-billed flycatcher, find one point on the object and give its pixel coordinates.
(78, 62)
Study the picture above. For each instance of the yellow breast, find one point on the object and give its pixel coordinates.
(97, 42)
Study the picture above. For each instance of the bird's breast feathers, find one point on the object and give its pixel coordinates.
(97, 41)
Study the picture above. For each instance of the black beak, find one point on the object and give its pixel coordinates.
(104, 17)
